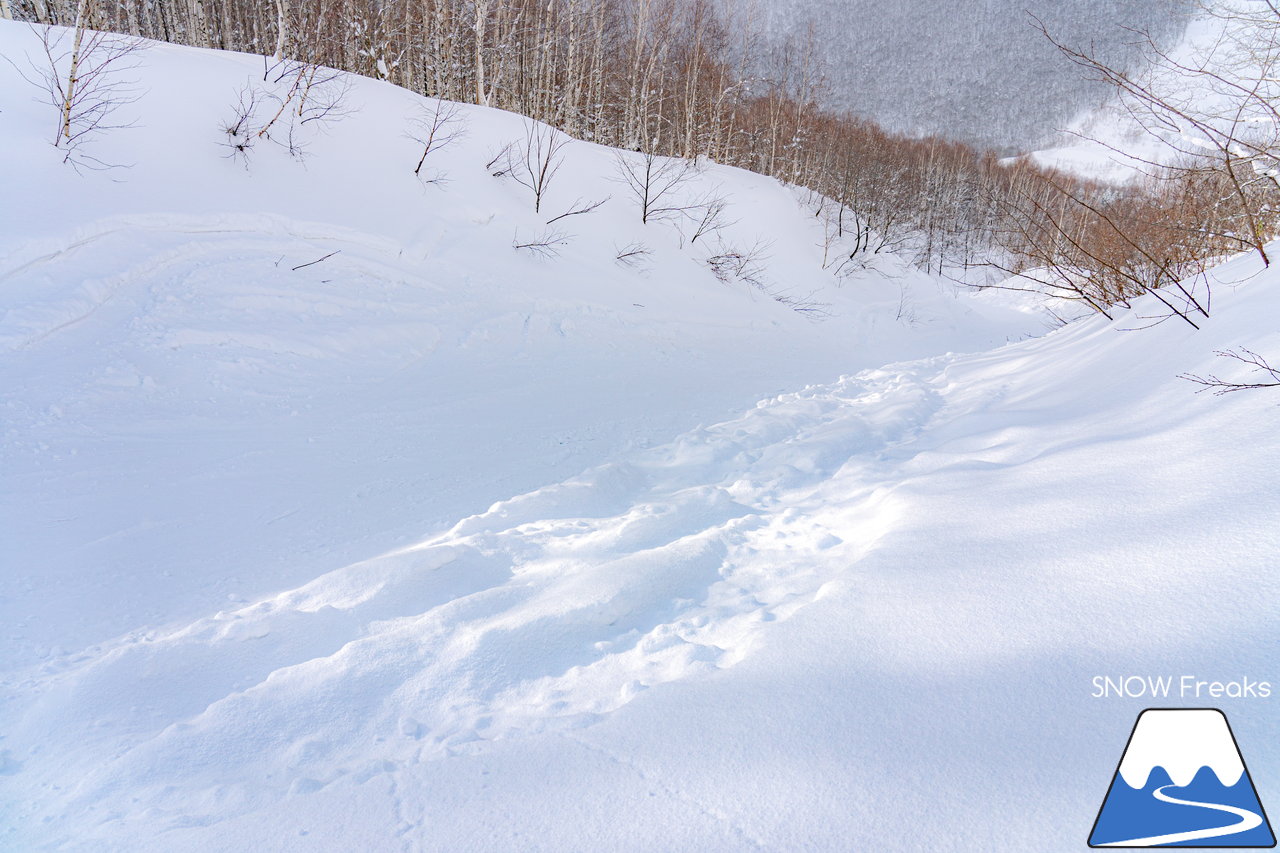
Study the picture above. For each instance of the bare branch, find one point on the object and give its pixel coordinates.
(578, 208)
(1257, 365)
(547, 244)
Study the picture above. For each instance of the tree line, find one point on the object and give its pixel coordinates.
(684, 79)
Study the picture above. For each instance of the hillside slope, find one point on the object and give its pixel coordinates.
(434, 545)
(1111, 144)
(164, 357)
(979, 71)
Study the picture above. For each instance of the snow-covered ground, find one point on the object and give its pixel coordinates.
(434, 545)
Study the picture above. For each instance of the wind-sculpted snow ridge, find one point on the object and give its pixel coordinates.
(546, 612)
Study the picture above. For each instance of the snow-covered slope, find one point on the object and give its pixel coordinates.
(436, 546)
(163, 357)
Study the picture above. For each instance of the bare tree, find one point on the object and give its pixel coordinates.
(282, 29)
(85, 74)
(709, 217)
(438, 125)
(655, 183)
(534, 161)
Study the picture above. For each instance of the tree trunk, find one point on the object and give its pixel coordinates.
(282, 27)
(482, 18)
(69, 95)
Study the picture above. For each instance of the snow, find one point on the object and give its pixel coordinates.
(434, 545)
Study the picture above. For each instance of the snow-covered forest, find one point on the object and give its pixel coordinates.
(980, 71)
(691, 80)
(489, 425)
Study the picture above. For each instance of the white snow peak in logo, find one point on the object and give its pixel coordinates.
(1182, 783)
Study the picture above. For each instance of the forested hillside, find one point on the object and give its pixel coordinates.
(686, 82)
(974, 70)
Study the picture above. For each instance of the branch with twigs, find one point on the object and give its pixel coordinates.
(1257, 365)
(579, 208)
(547, 244)
(633, 255)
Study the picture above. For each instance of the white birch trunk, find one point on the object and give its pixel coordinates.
(482, 18)
(282, 28)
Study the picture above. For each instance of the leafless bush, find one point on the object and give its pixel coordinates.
(731, 265)
(1270, 376)
(291, 96)
(534, 161)
(655, 183)
(240, 136)
(548, 244)
(311, 93)
(747, 266)
(502, 162)
(709, 217)
(906, 306)
(85, 75)
(1106, 246)
(438, 125)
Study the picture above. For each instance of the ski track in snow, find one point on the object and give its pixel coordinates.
(544, 613)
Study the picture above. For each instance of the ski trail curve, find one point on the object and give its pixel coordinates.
(1248, 820)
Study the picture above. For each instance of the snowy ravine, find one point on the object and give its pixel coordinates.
(436, 546)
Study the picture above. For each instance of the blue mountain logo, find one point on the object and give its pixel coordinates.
(1182, 782)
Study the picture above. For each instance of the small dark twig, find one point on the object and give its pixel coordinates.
(317, 260)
